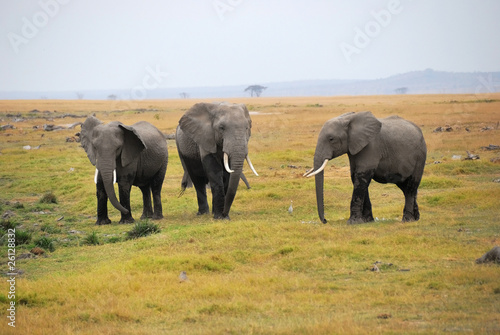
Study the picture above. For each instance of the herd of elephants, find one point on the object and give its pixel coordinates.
(212, 141)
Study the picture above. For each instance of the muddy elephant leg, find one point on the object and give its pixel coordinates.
(147, 209)
(367, 208)
(409, 188)
(360, 181)
(102, 204)
(156, 186)
(124, 192)
(215, 174)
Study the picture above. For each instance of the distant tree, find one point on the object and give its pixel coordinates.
(79, 95)
(112, 97)
(401, 90)
(184, 95)
(255, 90)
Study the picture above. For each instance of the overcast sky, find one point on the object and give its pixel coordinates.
(119, 44)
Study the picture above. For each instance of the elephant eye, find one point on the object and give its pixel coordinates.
(221, 127)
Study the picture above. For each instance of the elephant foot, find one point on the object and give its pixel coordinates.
(408, 218)
(202, 213)
(102, 221)
(157, 216)
(356, 220)
(221, 217)
(146, 216)
(127, 220)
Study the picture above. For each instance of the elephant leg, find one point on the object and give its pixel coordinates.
(200, 184)
(215, 174)
(102, 204)
(156, 186)
(360, 181)
(409, 188)
(147, 209)
(124, 192)
(367, 208)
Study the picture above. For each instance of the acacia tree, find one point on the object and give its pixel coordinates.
(255, 90)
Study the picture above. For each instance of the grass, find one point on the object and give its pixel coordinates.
(265, 271)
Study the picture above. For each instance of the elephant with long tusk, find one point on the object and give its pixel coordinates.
(389, 150)
(212, 141)
(130, 155)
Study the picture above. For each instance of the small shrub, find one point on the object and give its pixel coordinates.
(114, 239)
(45, 243)
(22, 237)
(8, 224)
(48, 198)
(92, 239)
(142, 229)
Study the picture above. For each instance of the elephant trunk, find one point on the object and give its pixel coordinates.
(234, 178)
(319, 179)
(108, 174)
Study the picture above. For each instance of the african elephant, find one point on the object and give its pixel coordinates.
(130, 155)
(389, 150)
(212, 141)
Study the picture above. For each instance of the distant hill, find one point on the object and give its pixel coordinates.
(416, 82)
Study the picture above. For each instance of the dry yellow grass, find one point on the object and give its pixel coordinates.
(266, 271)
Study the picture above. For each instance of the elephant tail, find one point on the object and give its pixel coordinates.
(185, 183)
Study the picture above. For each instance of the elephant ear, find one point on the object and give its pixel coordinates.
(197, 124)
(247, 116)
(86, 138)
(132, 144)
(363, 127)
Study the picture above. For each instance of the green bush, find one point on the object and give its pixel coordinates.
(92, 239)
(22, 237)
(45, 243)
(48, 198)
(142, 229)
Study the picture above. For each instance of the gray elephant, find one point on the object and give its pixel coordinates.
(130, 155)
(212, 141)
(389, 150)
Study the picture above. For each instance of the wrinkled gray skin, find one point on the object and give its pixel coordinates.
(139, 155)
(205, 132)
(492, 256)
(389, 150)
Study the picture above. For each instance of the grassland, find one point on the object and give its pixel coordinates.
(265, 271)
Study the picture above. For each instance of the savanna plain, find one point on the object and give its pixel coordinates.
(265, 271)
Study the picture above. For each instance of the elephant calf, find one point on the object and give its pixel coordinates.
(130, 155)
(389, 150)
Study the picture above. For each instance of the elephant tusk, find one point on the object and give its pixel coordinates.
(226, 163)
(307, 172)
(322, 167)
(114, 176)
(251, 166)
(95, 176)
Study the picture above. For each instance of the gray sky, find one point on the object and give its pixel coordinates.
(120, 44)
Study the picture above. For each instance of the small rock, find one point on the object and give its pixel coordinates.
(456, 157)
(60, 218)
(8, 214)
(183, 277)
(27, 147)
(471, 156)
(24, 256)
(492, 256)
